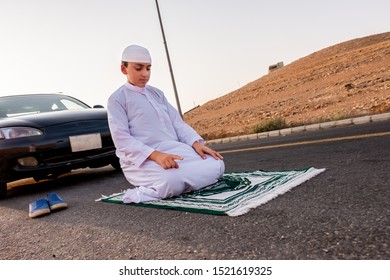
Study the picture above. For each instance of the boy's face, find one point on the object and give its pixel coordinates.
(138, 74)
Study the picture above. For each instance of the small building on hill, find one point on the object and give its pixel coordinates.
(275, 66)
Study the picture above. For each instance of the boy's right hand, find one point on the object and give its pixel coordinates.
(166, 161)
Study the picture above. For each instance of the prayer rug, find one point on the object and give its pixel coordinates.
(234, 194)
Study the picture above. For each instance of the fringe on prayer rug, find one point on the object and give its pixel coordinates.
(234, 194)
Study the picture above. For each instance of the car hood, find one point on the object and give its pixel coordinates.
(53, 118)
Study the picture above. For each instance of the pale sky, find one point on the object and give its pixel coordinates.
(216, 46)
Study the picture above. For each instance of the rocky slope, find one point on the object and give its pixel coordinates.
(344, 80)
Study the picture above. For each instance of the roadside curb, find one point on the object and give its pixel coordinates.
(310, 127)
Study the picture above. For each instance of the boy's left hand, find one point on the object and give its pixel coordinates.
(202, 150)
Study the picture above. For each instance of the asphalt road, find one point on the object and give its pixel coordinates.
(343, 213)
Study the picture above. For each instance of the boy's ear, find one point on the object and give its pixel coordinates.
(123, 69)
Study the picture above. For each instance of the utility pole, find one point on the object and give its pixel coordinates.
(169, 61)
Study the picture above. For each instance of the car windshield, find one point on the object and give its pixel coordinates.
(11, 106)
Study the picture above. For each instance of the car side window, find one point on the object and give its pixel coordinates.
(70, 105)
(3, 113)
(55, 107)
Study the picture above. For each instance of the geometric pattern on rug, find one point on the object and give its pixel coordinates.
(234, 194)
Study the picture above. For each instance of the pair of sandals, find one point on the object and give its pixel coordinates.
(46, 205)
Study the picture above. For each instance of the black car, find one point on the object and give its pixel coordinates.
(46, 135)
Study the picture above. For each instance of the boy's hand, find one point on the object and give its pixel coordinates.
(202, 150)
(166, 161)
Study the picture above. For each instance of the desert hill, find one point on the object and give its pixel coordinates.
(345, 80)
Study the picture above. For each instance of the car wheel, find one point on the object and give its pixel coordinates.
(3, 190)
(116, 164)
(37, 179)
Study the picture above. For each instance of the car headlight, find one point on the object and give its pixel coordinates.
(18, 132)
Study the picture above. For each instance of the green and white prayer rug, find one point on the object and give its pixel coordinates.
(234, 194)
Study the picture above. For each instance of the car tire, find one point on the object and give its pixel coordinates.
(3, 190)
(116, 165)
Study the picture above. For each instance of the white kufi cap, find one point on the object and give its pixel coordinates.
(134, 53)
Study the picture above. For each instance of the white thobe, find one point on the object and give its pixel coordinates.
(141, 120)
